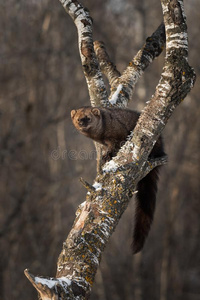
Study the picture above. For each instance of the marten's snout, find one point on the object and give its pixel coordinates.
(83, 122)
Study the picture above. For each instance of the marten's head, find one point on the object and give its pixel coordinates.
(86, 119)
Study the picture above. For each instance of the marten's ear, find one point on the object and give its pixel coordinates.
(73, 112)
(96, 111)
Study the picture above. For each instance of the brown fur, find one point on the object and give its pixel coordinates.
(110, 127)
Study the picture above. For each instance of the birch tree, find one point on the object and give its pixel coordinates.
(115, 183)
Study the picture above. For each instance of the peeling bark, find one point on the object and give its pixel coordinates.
(109, 196)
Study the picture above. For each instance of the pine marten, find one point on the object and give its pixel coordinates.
(110, 127)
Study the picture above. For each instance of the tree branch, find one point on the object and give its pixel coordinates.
(93, 75)
(176, 81)
(122, 88)
(88, 186)
(122, 85)
(106, 65)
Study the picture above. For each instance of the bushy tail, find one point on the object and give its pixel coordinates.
(145, 207)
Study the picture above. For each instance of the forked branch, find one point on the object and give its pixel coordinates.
(109, 196)
(122, 86)
(125, 84)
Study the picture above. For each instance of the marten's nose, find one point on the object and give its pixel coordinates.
(82, 122)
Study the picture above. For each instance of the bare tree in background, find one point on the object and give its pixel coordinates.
(114, 186)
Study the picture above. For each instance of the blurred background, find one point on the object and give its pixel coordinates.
(42, 157)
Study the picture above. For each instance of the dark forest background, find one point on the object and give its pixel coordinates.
(42, 156)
